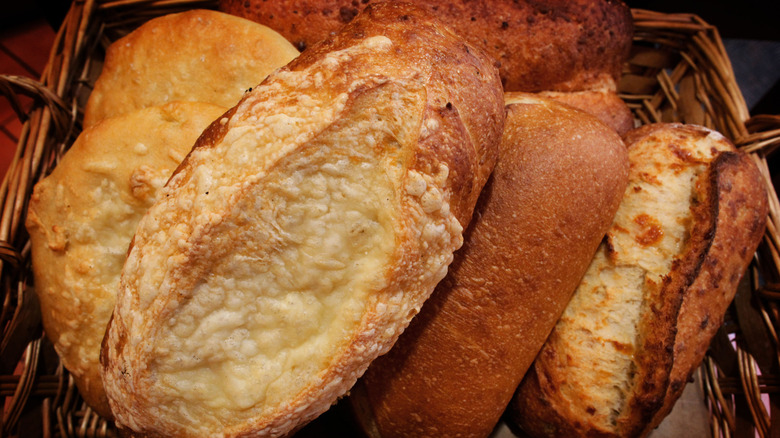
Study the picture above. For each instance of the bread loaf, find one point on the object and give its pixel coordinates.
(559, 179)
(606, 105)
(303, 231)
(81, 219)
(655, 293)
(562, 45)
(197, 55)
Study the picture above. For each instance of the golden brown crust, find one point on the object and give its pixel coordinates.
(197, 55)
(82, 216)
(399, 115)
(559, 179)
(451, 97)
(738, 219)
(539, 45)
(723, 213)
(606, 105)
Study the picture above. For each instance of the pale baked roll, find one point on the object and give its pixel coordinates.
(655, 293)
(303, 232)
(81, 219)
(198, 55)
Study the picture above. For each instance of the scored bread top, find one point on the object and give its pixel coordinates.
(738, 216)
(81, 219)
(303, 232)
(606, 368)
(197, 55)
(557, 183)
(560, 45)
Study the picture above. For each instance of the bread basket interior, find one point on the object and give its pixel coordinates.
(678, 71)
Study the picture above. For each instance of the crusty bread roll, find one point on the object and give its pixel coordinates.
(559, 179)
(560, 45)
(606, 105)
(81, 219)
(303, 231)
(687, 227)
(197, 55)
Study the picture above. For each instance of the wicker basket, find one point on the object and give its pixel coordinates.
(678, 71)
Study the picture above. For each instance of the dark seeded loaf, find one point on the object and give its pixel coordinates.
(561, 45)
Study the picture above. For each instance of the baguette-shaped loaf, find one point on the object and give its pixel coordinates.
(656, 291)
(81, 219)
(304, 231)
(198, 55)
(560, 45)
(559, 179)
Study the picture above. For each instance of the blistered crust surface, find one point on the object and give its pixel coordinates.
(82, 217)
(300, 236)
(197, 55)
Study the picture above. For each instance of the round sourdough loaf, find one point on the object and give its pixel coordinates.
(81, 219)
(197, 55)
(559, 45)
(303, 232)
(557, 183)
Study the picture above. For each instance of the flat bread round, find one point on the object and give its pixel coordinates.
(198, 55)
(82, 217)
